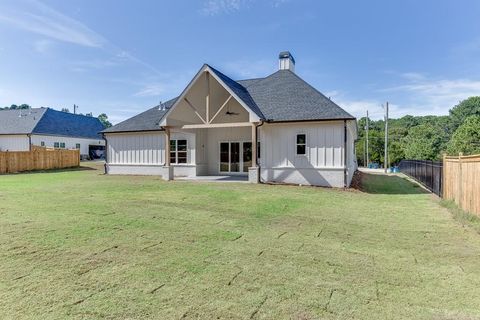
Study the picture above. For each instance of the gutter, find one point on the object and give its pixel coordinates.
(308, 120)
(256, 142)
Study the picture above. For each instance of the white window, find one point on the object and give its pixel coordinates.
(56, 144)
(42, 143)
(62, 145)
(178, 151)
(77, 146)
(301, 144)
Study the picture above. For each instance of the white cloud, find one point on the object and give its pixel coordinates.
(417, 94)
(151, 90)
(38, 18)
(245, 69)
(215, 7)
(435, 96)
(42, 46)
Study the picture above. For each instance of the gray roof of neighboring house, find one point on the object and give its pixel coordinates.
(282, 96)
(49, 122)
(21, 121)
(146, 121)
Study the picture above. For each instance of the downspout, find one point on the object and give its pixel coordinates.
(29, 142)
(106, 153)
(257, 153)
(345, 173)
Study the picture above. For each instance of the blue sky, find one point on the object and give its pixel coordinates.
(122, 57)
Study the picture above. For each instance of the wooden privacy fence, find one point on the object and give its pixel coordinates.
(38, 159)
(461, 181)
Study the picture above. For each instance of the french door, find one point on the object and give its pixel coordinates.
(235, 157)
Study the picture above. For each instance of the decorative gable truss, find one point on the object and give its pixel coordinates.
(208, 102)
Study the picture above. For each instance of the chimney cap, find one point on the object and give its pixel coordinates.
(286, 55)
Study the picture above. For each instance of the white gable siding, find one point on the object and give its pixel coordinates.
(12, 142)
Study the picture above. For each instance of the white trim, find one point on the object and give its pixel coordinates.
(223, 105)
(217, 125)
(300, 144)
(175, 152)
(253, 116)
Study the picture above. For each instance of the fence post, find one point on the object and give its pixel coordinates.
(444, 168)
(459, 180)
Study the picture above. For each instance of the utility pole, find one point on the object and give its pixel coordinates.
(368, 160)
(75, 109)
(385, 160)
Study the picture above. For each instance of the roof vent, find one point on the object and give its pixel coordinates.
(286, 61)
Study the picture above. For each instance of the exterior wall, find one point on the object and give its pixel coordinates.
(136, 148)
(351, 158)
(19, 142)
(217, 135)
(322, 165)
(143, 153)
(70, 142)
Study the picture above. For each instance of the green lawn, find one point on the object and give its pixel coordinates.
(81, 245)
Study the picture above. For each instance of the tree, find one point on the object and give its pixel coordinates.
(425, 142)
(466, 108)
(104, 120)
(17, 107)
(466, 138)
(65, 110)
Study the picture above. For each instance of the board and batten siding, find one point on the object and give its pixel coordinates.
(136, 148)
(324, 162)
(14, 142)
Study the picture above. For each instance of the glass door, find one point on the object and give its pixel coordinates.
(224, 157)
(235, 157)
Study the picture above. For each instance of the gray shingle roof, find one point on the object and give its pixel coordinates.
(20, 121)
(146, 121)
(282, 96)
(49, 122)
(68, 124)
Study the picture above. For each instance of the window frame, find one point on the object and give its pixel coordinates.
(174, 154)
(304, 144)
(56, 145)
(62, 145)
(42, 143)
(77, 145)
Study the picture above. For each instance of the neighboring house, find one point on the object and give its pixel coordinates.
(20, 129)
(275, 129)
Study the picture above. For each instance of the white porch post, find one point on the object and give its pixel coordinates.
(253, 171)
(167, 169)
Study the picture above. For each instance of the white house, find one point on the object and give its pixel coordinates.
(20, 129)
(272, 129)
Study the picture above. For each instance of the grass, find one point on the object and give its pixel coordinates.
(81, 245)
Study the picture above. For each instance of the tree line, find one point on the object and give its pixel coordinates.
(102, 116)
(423, 137)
